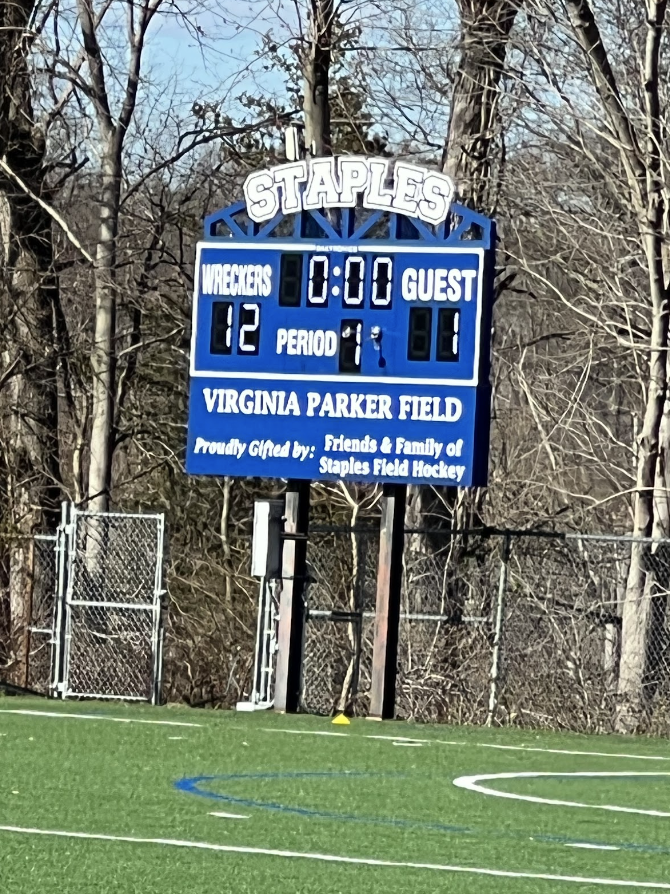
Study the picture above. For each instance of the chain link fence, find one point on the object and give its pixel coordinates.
(342, 567)
(115, 557)
(26, 624)
(495, 627)
(111, 653)
(448, 603)
(112, 627)
(81, 609)
(42, 614)
(505, 628)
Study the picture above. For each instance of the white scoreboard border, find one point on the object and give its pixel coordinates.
(353, 248)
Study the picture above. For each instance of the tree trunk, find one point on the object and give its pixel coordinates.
(468, 158)
(103, 356)
(28, 297)
(640, 629)
(316, 75)
(643, 621)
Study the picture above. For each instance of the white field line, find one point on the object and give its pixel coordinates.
(97, 717)
(635, 757)
(223, 815)
(302, 732)
(335, 858)
(472, 783)
(593, 847)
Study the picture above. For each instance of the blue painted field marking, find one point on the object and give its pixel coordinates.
(192, 785)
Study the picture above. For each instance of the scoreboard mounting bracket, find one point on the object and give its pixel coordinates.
(345, 342)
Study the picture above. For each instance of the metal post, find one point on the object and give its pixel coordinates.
(497, 641)
(156, 616)
(267, 655)
(387, 611)
(68, 593)
(157, 693)
(266, 666)
(356, 623)
(256, 685)
(273, 596)
(29, 613)
(58, 636)
(291, 602)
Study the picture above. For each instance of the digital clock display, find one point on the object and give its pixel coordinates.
(338, 313)
(329, 360)
(351, 295)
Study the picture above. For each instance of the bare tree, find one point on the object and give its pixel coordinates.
(641, 147)
(29, 470)
(472, 146)
(112, 131)
(469, 156)
(593, 147)
(316, 60)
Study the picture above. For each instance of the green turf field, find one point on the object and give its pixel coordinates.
(344, 812)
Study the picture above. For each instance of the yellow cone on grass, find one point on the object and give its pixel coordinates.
(341, 720)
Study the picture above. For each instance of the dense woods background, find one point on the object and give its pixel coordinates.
(553, 117)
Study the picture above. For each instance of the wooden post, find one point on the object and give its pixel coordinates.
(291, 602)
(387, 612)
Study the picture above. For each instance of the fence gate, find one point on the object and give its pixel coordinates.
(108, 624)
(340, 611)
(39, 637)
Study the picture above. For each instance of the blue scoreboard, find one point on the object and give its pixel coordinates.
(341, 328)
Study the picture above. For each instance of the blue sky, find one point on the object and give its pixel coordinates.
(220, 59)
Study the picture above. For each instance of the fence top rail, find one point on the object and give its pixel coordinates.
(518, 533)
(343, 529)
(90, 514)
(26, 537)
(620, 538)
(132, 606)
(492, 532)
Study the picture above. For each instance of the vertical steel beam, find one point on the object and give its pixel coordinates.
(30, 592)
(157, 615)
(291, 602)
(498, 636)
(387, 611)
(58, 638)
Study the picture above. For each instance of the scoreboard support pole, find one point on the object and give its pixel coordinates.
(387, 610)
(290, 634)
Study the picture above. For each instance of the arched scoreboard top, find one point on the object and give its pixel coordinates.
(341, 328)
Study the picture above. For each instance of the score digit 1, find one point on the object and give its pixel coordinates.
(221, 332)
(351, 340)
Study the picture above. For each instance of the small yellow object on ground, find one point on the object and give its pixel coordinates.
(341, 720)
